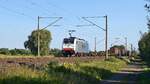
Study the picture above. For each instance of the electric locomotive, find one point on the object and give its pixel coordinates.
(74, 46)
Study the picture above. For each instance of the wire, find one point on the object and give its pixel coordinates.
(41, 7)
(100, 41)
(16, 12)
(64, 10)
(85, 18)
(53, 22)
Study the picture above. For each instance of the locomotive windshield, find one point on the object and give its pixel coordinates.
(69, 40)
(66, 41)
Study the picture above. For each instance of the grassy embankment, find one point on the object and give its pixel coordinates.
(55, 73)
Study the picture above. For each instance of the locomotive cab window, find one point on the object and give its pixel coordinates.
(66, 41)
(71, 40)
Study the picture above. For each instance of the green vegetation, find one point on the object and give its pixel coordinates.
(66, 73)
(24, 75)
(144, 46)
(32, 42)
(144, 77)
(23, 52)
(144, 43)
(6, 51)
(55, 52)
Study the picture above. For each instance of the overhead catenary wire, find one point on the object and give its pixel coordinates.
(47, 11)
(23, 14)
(22, 9)
(64, 10)
(16, 12)
(100, 41)
(40, 6)
(55, 6)
(38, 28)
(58, 18)
(93, 23)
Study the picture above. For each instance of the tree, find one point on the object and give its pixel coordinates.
(32, 42)
(147, 7)
(20, 52)
(144, 46)
(144, 42)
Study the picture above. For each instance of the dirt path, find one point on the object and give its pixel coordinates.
(128, 75)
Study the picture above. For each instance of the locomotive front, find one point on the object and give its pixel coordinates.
(74, 46)
(68, 46)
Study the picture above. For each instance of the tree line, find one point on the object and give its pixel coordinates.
(6, 51)
(25, 52)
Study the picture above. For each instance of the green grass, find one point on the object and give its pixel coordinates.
(85, 73)
(112, 64)
(24, 75)
(55, 73)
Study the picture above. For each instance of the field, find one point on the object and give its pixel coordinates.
(51, 70)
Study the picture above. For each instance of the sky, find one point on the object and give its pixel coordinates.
(126, 18)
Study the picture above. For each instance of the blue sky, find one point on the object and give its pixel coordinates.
(19, 17)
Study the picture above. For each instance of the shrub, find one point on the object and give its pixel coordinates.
(56, 52)
(20, 52)
(4, 51)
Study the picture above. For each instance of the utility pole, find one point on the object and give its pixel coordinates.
(95, 45)
(104, 29)
(126, 44)
(38, 28)
(131, 49)
(106, 38)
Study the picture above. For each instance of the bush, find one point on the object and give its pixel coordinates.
(56, 52)
(4, 51)
(20, 52)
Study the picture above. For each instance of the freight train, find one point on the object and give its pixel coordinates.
(74, 46)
